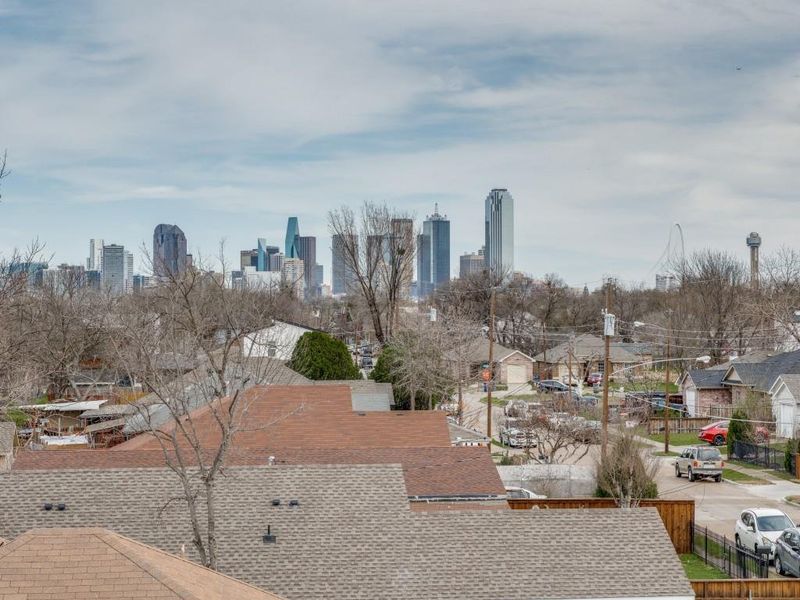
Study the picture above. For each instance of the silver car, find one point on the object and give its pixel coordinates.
(700, 461)
(787, 553)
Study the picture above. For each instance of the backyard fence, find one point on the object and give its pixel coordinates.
(677, 515)
(746, 589)
(719, 551)
(762, 456)
(678, 424)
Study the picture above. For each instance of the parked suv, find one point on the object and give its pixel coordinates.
(760, 528)
(551, 385)
(699, 462)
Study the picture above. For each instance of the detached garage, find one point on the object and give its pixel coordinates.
(511, 367)
(785, 400)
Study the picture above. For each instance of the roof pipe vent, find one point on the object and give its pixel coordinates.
(294, 502)
(268, 538)
(61, 506)
(276, 502)
(271, 461)
(48, 506)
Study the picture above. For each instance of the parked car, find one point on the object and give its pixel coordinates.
(366, 362)
(760, 528)
(551, 385)
(589, 401)
(700, 462)
(594, 378)
(516, 438)
(787, 553)
(717, 433)
(519, 492)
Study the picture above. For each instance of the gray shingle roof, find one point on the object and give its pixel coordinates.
(762, 375)
(792, 381)
(586, 347)
(353, 536)
(367, 394)
(707, 379)
(479, 352)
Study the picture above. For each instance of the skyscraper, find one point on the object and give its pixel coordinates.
(433, 253)
(113, 269)
(262, 260)
(276, 262)
(128, 272)
(292, 233)
(95, 260)
(307, 252)
(470, 264)
(248, 258)
(500, 232)
(342, 276)
(293, 275)
(169, 251)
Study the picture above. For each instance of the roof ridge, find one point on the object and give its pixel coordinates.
(112, 539)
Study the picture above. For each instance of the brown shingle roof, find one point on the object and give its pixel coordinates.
(62, 563)
(429, 472)
(312, 417)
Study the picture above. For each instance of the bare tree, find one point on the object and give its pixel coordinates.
(4, 172)
(627, 473)
(550, 436)
(186, 342)
(378, 249)
(778, 303)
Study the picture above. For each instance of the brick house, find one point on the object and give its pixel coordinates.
(585, 354)
(511, 367)
(704, 393)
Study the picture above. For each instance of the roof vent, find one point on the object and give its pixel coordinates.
(271, 461)
(48, 506)
(362, 414)
(276, 502)
(61, 506)
(294, 502)
(268, 538)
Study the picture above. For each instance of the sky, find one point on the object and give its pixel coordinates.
(609, 122)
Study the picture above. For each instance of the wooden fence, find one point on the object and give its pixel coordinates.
(679, 424)
(677, 515)
(738, 589)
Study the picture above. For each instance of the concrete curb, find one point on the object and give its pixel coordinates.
(742, 483)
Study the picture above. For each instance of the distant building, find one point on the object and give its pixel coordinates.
(293, 275)
(342, 277)
(65, 277)
(95, 260)
(169, 251)
(250, 278)
(499, 221)
(141, 282)
(307, 252)
(94, 280)
(128, 272)
(318, 279)
(433, 253)
(471, 264)
(248, 258)
(666, 282)
(113, 269)
(263, 255)
(276, 262)
(292, 233)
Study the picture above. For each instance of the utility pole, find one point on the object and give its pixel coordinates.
(569, 366)
(490, 384)
(666, 398)
(608, 331)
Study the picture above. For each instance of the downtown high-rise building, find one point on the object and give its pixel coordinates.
(499, 220)
(128, 272)
(342, 274)
(471, 264)
(263, 255)
(169, 251)
(293, 276)
(292, 233)
(433, 254)
(248, 258)
(95, 260)
(307, 252)
(114, 269)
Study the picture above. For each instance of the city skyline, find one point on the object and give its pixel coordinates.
(607, 129)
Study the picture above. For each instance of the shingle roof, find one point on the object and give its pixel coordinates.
(707, 379)
(762, 375)
(586, 347)
(366, 394)
(59, 563)
(353, 536)
(459, 472)
(479, 352)
(792, 382)
(314, 417)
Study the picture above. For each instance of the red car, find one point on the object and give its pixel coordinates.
(594, 378)
(717, 433)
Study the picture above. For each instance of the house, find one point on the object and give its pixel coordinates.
(511, 367)
(464, 436)
(44, 564)
(276, 341)
(350, 534)
(785, 394)
(584, 354)
(61, 417)
(704, 393)
(8, 433)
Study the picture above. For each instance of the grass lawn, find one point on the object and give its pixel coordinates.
(745, 465)
(495, 401)
(740, 477)
(678, 439)
(695, 568)
(662, 453)
(784, 475)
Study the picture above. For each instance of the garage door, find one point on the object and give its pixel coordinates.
(516, 374)
(786, 424)
(691, 402)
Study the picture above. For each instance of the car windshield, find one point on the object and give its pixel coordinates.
(774, 523)
(708, 454)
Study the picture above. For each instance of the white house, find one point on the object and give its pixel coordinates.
(785, 394)
(277, 341)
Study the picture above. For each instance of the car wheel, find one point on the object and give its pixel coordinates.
(719, 440)
(778, 565)
(677, 471)
(717, 478)
(690, 474)
(737, 541)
